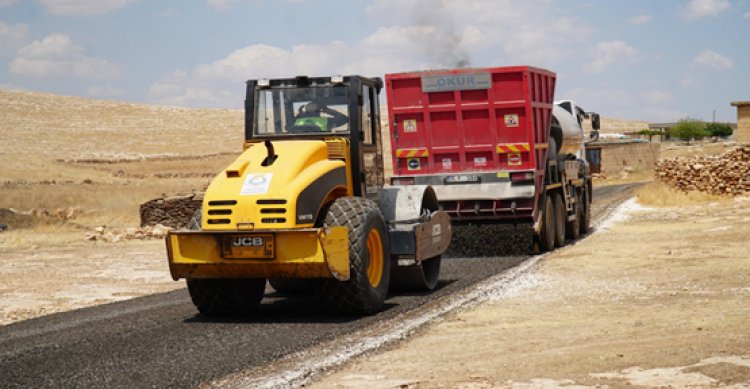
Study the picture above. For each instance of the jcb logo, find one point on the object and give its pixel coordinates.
(247, 242)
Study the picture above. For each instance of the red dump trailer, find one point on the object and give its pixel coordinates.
(487, 141)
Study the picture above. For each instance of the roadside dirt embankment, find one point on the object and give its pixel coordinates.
(660, 298)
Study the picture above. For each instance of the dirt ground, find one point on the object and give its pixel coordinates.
(40, 281)
(659, 299)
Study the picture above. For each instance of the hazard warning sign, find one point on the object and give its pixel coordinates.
(514, 159)
(410, 125)
(413, 164)
(511, 120)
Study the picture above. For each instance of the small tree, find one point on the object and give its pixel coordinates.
(688, 129)
(719, 129)
(650, 133)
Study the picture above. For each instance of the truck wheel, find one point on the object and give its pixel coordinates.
(560, 216)
(419, 278)
(546, 235)
(573, 229)
(226, 297)
(369, 259)
(585, 212)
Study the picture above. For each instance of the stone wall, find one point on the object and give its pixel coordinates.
(637, 156)
(742, 133)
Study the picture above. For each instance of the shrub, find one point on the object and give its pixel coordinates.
(719, 129)
(689, 129)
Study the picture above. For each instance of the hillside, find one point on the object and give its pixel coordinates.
(105, 158)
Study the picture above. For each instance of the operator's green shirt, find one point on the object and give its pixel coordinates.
(313, 121)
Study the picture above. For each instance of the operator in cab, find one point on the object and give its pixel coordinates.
(309, 116)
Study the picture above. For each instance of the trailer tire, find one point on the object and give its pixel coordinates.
(421, 277)
(585, 212)
(369, 259)
(560, 216)
(573, 229)
(546, 235)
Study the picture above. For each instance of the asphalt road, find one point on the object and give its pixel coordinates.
(160, 341)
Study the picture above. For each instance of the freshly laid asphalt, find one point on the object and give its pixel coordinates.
(161, 341)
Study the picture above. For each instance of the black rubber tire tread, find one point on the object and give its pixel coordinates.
(547, 232)
(226, 296)
(356, 296)
(560, 219)
(416, 278)
(573, 229)
(223, 297)
(291, 285)
(585, 212)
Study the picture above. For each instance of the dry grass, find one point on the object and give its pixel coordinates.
(658, 194)
(104, 157)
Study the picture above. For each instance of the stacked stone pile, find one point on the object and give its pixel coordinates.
(726, 174)
(13, 219)
(170, 211)
(114, 235)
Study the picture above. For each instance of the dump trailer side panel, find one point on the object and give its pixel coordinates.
(478, 136)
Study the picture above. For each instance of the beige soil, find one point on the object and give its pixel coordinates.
(44, 280)
(662, 299)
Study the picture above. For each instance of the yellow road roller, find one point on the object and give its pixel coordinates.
(305, 206)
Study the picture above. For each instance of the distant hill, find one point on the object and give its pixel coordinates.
(40, 127)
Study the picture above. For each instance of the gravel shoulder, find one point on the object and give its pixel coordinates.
(660, 297)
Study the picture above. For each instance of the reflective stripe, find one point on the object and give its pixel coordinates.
(512, 148)
(412, 153)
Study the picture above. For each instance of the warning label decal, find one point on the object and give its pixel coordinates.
(413, 164)
(410, 125)
(511, 120)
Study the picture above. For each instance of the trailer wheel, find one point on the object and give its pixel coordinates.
(560, 216)
(369, 258)
(573, 229)
(223, 296)
(585, 212)
(546, 235)
(419, 278)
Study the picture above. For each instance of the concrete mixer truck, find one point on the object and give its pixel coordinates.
(495, 147)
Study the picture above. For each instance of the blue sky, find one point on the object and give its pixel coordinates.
(654, 60)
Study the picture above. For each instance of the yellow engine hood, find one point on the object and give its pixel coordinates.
(287, 193)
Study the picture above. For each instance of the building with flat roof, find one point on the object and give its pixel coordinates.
(742, 133)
